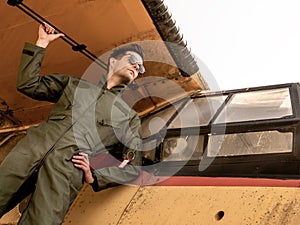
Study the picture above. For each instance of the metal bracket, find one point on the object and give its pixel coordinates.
(79, 47)
(14, 2)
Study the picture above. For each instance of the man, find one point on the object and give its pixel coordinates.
(86, 121)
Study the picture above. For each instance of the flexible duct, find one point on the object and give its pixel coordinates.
(170, 33)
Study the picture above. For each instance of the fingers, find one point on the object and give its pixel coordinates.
(83, 154)
(46, 35)
(47, 28)
(81, 161)
(50, 30)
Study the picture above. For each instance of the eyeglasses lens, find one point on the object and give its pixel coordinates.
(133, 61)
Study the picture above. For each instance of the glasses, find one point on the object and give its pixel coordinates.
(133, 60)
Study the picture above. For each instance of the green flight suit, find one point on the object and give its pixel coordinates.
(86, 118)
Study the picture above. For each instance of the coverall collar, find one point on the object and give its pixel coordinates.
(116, 89)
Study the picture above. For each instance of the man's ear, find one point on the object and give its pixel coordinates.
(112, 62)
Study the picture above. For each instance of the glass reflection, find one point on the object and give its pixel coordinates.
(257, 105)
(251, 143)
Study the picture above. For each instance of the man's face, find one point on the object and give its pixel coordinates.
(127, 67)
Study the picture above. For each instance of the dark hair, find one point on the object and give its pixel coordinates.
(119, 52)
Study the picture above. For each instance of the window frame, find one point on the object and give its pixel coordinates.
(255, 165)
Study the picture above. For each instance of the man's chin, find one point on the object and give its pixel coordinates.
(126, 81)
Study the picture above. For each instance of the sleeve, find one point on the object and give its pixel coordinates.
(113, 175)
(30, 83)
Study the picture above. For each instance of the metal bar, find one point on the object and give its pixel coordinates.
(14, 129)
(75, 46)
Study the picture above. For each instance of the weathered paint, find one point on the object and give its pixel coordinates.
(223, 205)
(187, 205)
(104, 207)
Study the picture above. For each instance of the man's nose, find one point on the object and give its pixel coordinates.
(136, 66)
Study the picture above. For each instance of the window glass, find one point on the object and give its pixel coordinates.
(250, 143)
(182, 148)
(154, 123)
(198, 112)
(257, 105)
(148, 150)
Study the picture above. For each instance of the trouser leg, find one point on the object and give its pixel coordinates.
(16, 168)
(57, 186)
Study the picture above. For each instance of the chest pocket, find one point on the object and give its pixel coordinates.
(108, 132)
(111, 119)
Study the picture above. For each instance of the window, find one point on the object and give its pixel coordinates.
(198, 112)
(182, 148)
(245, 132)
(257, 105)
(251, 143)
(154, 123)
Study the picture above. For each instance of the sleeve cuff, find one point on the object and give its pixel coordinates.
(95, 185)
(30, 49)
